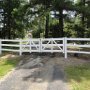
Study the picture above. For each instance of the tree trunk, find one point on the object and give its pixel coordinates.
(9, 19)
(47, 26)
(9, 28)
(88, 17)
(83, 20)
(61, 23)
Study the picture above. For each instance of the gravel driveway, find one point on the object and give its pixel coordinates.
(37, 73)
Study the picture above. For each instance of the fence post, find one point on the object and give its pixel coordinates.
(30, 45)
(0, 46)
(65, 47)
(40, 45)
(20, 51)
(52, 45)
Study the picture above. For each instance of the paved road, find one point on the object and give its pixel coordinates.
(45, 76)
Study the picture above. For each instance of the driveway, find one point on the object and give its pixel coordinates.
(36, 73)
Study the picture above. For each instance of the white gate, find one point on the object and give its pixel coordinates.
(52, 45)
(43, 45)
(32, 45)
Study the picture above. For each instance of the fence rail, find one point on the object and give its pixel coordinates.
(64, 45)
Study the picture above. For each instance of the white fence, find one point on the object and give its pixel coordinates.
(64, 45)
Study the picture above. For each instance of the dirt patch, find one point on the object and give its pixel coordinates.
(56, 58)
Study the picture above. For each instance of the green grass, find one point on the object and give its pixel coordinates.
(79, 77)
(7, 65)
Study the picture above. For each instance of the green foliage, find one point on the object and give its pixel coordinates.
(70, 19)
(69, 29)
(79, 31)
(14, 18)
(88, 33)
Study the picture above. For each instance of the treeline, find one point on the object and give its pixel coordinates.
(11, 20)
(45, 18)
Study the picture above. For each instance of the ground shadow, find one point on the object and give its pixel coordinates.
(58, 74)
(38, 75)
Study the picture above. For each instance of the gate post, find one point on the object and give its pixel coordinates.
(65, 48)
(52, 45)
(0, 46)
(40, 45)
(20, 51)
(30, 44)
(63, 45)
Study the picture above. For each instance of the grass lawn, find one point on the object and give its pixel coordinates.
(79, 77)
(7, 64)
